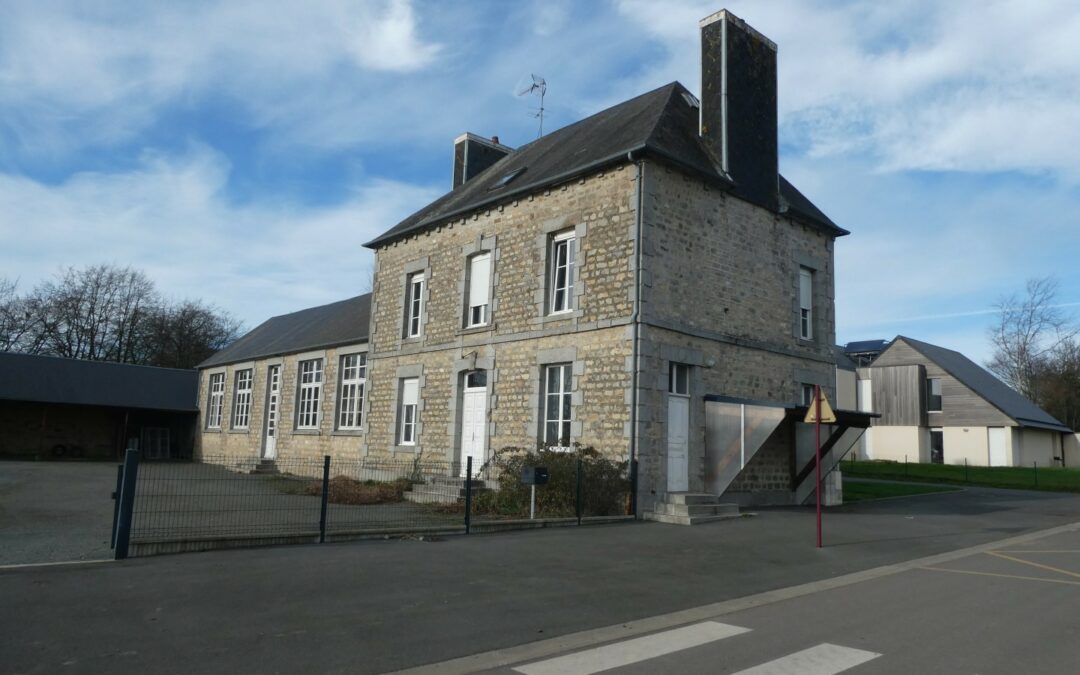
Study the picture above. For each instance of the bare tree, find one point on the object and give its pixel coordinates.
(1027, 334)
(184, 335)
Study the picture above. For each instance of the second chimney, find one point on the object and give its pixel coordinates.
(473, 154)
(738, 105)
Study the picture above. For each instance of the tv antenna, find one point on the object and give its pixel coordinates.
(538, 87)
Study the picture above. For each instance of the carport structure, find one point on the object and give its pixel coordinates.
(746, 435)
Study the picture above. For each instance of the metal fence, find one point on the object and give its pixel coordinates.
(225, 501)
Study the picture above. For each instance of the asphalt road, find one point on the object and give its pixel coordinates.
(1008, 609)
(369, 607)
(55, 511)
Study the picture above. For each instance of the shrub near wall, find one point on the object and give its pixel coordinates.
(605, 489)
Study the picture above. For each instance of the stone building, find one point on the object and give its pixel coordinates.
(597, 284)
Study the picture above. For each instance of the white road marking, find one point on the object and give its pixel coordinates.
(633, 651)
(825, 659)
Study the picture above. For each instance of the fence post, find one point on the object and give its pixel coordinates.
(966, 471)
(127, 503)
(1035, 468)
(116, 503)
(633, 487)
(577, 497)
(905, 466)
(468, 493)
(325, 498)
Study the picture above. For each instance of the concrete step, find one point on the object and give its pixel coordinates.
(455, 481)
(691, 498)
(687, 520)
(265, 466)
(435, 493)
(696, 509)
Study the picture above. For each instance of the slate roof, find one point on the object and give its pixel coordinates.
(843, 361)
(982, 382)
(51, 379)
(339, 323)
(660, 123)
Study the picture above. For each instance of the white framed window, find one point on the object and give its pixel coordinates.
(479, 300)
(807, 393)
(241, 412)
(215, 401)
(933, 394)
(679, 379)
(414, 304)
(353, 378)
(309, 393)
(557, 399)
(408, 411)
(806, 303)
(563, 251)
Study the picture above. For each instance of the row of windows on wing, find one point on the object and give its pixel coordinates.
(478, 301)
(309, 394)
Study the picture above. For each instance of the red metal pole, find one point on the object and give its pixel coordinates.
(817, 456)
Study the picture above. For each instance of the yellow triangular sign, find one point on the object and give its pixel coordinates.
(827, 414)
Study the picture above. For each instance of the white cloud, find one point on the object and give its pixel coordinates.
(171, 218)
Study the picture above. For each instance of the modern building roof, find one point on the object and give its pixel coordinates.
(982, 382)
(865, 346)
(339, 323)
(51, 379)
(843, 361)
(662, 123)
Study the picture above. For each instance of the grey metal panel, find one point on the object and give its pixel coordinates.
(50, 379)
(338, 323)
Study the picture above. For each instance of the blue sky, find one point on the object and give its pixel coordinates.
(242, 152)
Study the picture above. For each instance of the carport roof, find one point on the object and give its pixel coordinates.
(51, 379)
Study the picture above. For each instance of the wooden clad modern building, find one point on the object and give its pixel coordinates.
(939, 406)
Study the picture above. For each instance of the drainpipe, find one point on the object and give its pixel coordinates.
(635, 318)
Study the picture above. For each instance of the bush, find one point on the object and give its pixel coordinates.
(605, 487)
(345, 490)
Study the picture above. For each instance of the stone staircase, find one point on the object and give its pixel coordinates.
(442, 490)
(689, 508)
(265, 466)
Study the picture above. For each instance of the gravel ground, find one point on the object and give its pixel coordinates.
(55, 511)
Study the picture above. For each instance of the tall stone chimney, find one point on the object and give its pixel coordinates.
(473, 154)
(738, 105)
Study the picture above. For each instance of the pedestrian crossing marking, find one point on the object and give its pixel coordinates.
(824, 659)
(633, 651)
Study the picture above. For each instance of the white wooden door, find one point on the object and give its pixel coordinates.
(273, 391)
(473, 427)
(995, 438)
(678, 446)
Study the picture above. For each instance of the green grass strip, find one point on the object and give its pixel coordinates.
(1018, 478)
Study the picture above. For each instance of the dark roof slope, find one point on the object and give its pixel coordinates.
(51, 379)
(843, 361)
(661, 123)
(338, 323)
(982, 382)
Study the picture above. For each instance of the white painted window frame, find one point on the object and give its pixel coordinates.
(309, 383)
(676, 388)
(478, 313)
(215, 400)
(806, 303)
(563, 395)
(244, 383)
(561, 240)
(408, 410)
(414, 304)
(351, 391)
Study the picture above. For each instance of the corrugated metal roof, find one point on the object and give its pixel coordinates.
(339, 323)
(982, 382)
(50, 379)
(660, 123)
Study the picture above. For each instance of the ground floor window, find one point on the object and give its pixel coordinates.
(407, 414)
(557, 399)
(215, 401)
(937, 446)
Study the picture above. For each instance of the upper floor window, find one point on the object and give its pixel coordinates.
(215, 401)
(479, 300)
(408, 411)
(933, 394)
(351, 398)
(309, 393)
(242, 399)
(414, 304)
(558, 379)
(562, 272)
(806, 303)
(679, 379)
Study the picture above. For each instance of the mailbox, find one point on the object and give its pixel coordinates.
(534, 475)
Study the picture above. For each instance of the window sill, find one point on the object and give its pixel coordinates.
(410, 449)
(486, 328)
(306, 432)
(561, 316)
(348, 432)
(240, 431)
(209, 430)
